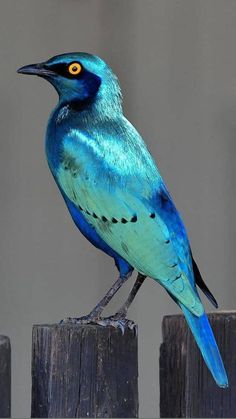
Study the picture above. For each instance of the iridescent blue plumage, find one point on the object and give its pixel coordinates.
(114, 191)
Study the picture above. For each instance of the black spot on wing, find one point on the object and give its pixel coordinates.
(114, 220)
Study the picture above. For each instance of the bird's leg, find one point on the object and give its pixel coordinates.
(119, 319)
(98, 309)
(121, 313)
(94, 315)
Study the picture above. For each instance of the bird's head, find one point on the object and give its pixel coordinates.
(80, 78)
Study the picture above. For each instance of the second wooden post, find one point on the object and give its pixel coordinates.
(187, 388)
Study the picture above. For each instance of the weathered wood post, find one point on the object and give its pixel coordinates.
(84, 371)
(186, 386)
(5, 377)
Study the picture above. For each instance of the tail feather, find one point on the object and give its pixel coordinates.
(205, 339)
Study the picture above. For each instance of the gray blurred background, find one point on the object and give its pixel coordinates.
(176, 61)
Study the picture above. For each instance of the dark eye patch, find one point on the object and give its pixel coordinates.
(62, 70)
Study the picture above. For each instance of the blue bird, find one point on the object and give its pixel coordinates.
(116, 195)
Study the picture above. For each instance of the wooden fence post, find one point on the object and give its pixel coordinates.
(84, 371)
(187, 388)
(5, 377)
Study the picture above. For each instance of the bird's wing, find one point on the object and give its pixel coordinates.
(127, 219)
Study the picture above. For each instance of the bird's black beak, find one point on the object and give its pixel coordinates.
(36, 69)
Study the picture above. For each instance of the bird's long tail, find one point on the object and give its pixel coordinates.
(205, 339)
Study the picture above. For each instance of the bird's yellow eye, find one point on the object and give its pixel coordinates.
(74, 69)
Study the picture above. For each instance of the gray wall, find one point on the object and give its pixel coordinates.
(176, 61)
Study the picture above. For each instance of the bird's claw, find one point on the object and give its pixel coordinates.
(118, 323)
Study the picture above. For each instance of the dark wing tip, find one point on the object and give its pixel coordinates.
(201, 284)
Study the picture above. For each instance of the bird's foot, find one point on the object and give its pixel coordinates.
(119, 323)
(116, 321)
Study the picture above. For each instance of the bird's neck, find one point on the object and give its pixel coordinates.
(86, 110)
(105, 104)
